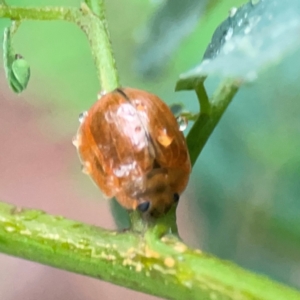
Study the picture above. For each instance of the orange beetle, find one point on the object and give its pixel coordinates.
(130, 144)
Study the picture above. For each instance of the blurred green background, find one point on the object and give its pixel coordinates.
(242, 203)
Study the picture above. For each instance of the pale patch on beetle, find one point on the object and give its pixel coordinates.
(86, 168)
(76, 141)
(164, 139)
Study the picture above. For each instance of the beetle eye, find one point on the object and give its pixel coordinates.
(143, 207)
(176, 197)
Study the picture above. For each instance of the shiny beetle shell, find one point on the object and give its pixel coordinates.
(130, 144)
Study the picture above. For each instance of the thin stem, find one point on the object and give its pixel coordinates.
(97, 6)
(137, 224)
(39, 13)
(14, 27)
(206, 122)
(203, 98)
(88, 3)
(161, 266)
(95, 27)
(163, 225)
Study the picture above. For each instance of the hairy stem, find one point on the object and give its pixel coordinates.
(159, 266)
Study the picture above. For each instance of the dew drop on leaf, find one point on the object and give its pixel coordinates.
(232, 12)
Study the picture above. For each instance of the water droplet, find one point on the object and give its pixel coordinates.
(76, 141)
(229, 34)
(101, 94)
(228, 47)
(232, 12)
(82, 116)
(247, 29)
(182, 123)
(240, 22)
(86, 168)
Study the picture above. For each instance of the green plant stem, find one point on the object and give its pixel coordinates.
(97, 6)
(209, 118)
(94, 25)
(159, 266)
(39, 13)
(203, 98)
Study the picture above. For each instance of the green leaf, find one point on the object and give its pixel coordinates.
(189, 81)
(20, 74)
(17, 69)
(257, 34)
